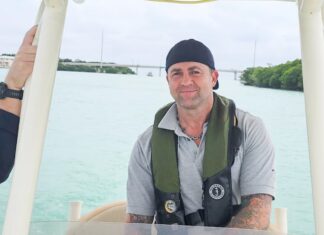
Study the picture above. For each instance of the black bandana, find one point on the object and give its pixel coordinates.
(190, 50)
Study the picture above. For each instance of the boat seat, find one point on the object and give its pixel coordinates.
(116, 212)
(113, 212)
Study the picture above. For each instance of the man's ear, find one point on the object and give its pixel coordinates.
(166, 77)
(214, 76)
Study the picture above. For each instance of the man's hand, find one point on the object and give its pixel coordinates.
(23, 64)
(132, 218)
(19, 71)
(138, 229)
(254, 214)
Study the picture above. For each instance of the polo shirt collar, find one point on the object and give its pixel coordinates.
(170, 121)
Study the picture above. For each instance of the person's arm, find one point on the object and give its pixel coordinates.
(140, 188)
(10, 108)
(8, 139)
(19, 72)
(257, 177)
(254, 213)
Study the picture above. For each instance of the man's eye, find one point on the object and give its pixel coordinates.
(195, 72)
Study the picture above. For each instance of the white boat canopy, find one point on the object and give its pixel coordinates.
(204, 1)
(38, 93)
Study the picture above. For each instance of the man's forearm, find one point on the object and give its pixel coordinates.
(254, 214)
(11, 105)
(20, 69)
(8, 104)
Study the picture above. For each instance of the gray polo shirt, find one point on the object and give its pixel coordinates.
(252, 172)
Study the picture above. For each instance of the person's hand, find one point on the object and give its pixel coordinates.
(23, 63)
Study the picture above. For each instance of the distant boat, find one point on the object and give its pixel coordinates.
(150, 74)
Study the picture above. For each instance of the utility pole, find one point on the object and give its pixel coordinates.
(254, 53)
(101, 52)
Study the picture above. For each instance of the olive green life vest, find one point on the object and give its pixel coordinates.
(220, 149)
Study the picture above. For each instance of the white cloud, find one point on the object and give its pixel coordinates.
(138, 31)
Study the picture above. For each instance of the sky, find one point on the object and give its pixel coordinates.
(142, 32)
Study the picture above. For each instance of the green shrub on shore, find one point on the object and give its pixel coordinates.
(96, 69)
(286, 76)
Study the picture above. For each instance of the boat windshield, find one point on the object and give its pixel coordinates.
(99, 228)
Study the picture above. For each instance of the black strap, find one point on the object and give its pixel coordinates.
(236, 209)
(195, 218)
(14, 94)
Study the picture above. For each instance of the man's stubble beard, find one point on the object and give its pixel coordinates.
(189, 104)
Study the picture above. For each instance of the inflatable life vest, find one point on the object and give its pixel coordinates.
(223, 139)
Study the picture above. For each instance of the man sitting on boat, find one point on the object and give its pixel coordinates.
(203, 162)
(10, 102)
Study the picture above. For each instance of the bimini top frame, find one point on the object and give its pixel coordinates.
(183, 1)
(201, 1)
(38, 93)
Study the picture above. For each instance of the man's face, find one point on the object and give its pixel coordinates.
(191, 83)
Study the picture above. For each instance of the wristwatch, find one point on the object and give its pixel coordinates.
(6, 92)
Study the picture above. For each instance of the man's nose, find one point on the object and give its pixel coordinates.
(186, 79)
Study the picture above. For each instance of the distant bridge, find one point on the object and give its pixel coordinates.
(137, 66)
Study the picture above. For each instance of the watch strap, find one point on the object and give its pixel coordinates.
(14, 94)
(6, 92)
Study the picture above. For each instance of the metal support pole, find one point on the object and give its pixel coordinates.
(101, 51)
(312, 45)
(34, 117)
(75, 211)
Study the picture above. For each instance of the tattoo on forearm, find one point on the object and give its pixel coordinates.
(132, 218)
(254, 213)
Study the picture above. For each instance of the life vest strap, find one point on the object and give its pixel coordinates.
(195, 218)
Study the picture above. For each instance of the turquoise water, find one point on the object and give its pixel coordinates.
(96, 118)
